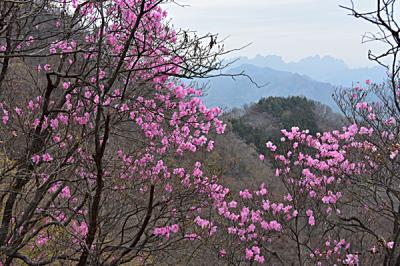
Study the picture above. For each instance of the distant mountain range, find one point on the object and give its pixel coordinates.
(313, 77)
(324, 69)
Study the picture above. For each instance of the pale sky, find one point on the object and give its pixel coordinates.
(293, 29)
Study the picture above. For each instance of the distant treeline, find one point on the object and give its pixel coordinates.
(285, 112)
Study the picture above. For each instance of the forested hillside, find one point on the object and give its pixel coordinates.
(236, 153)
(264, 120)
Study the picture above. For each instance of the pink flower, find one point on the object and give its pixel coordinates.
(311, 220)
(249, 254)
(202, 222)
(83, 229)
(5, 119)
(66, 85)
(41, 240)
(277, 172)
(274, 225)
(390, 245)
(245, 194)
(261, 157)
(288, 197)
(65, 193)
(312, 194)
(351, 260)
(174, 228)
(18, 111)
(266, 205)
(192, 236)
(263, 190)
(270, 146)
(393, 154)
(244, 214)
(47, 157)
(36, 159)
(232, 204)
(259, 259)
(165, 231)
(54, 124)
(80, 229)
(373, 249)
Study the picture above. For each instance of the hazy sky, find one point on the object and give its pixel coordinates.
(292, 29)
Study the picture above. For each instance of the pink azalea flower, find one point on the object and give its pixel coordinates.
(36, 159)
(65, 193)
(249, 254)
(47, 157)
(390, 245)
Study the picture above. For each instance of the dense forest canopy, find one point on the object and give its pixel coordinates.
(285, 112)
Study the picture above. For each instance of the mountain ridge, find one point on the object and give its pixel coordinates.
(324, 69)
(313, 77)
(229, 93)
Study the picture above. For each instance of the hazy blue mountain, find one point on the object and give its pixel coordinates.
(228, 92)
(324, 69)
